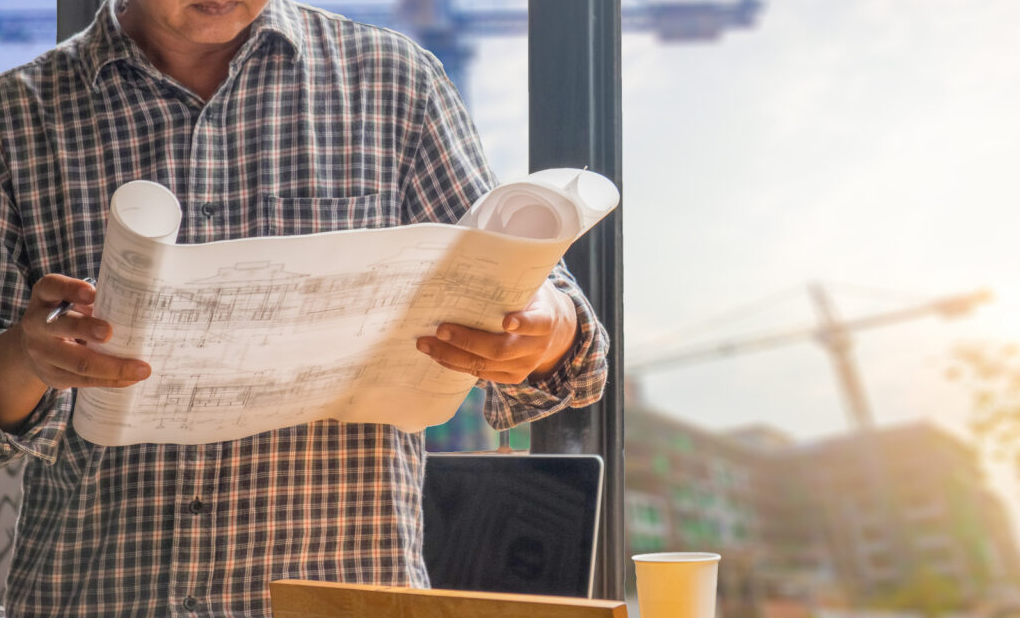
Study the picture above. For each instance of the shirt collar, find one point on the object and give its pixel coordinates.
(283, 18)
(105, 42)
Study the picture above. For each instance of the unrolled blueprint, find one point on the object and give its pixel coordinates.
(255, 334)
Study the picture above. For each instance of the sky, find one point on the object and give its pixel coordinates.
(867, 145)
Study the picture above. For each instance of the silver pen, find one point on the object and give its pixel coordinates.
(64, 305)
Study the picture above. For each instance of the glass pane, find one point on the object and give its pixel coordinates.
(27, 29)
(793, 182)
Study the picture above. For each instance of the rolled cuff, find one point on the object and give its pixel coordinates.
(40, 435)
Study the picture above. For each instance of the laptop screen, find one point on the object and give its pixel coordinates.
(512, 523)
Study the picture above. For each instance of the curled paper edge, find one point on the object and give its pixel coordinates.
(577, 200)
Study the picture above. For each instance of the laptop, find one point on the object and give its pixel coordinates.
(512, 523)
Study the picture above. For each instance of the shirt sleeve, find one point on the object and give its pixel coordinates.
(42, 431)
(449, 173)
(449, 170)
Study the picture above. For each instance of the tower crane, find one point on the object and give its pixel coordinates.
(446, 27)
(833, 333)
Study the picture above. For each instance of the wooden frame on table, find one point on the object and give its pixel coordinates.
(306, 599)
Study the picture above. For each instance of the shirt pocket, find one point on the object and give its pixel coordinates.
(288, 216)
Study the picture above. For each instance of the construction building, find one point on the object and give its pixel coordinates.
(853, 521)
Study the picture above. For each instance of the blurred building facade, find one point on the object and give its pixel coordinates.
(872, 519)
(690, 490)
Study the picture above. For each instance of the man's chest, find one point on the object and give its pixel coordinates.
(253, 161)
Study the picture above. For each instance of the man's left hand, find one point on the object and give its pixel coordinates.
(533, 343)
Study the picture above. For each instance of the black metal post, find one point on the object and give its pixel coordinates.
(575, 121)
(73, 16)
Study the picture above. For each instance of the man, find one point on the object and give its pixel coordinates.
(264, 117)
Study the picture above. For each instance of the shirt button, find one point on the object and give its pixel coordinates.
(195, 507)
(190, 603)
(209, 209)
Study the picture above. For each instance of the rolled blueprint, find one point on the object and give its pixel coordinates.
(556, 204)
(255, 334)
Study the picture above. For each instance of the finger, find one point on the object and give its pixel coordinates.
(462, 360)
(535, 321)
(59, 378)
(52, 289)
(494, 346)
(82, 361)
(78, 326)
(492, 376)
(456, 357)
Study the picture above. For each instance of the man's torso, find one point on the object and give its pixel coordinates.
(291, 144)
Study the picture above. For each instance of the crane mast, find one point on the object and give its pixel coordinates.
(834, 335)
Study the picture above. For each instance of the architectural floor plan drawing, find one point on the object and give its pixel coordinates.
(250, 335)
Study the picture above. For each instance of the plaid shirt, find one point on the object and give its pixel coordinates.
(321, 124)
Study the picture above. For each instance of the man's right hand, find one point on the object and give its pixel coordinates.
(58, 353)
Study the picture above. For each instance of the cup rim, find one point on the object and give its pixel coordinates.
(678, 556)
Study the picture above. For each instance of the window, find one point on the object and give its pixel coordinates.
(821, 164)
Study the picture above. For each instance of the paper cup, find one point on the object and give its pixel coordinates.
(677, 584)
